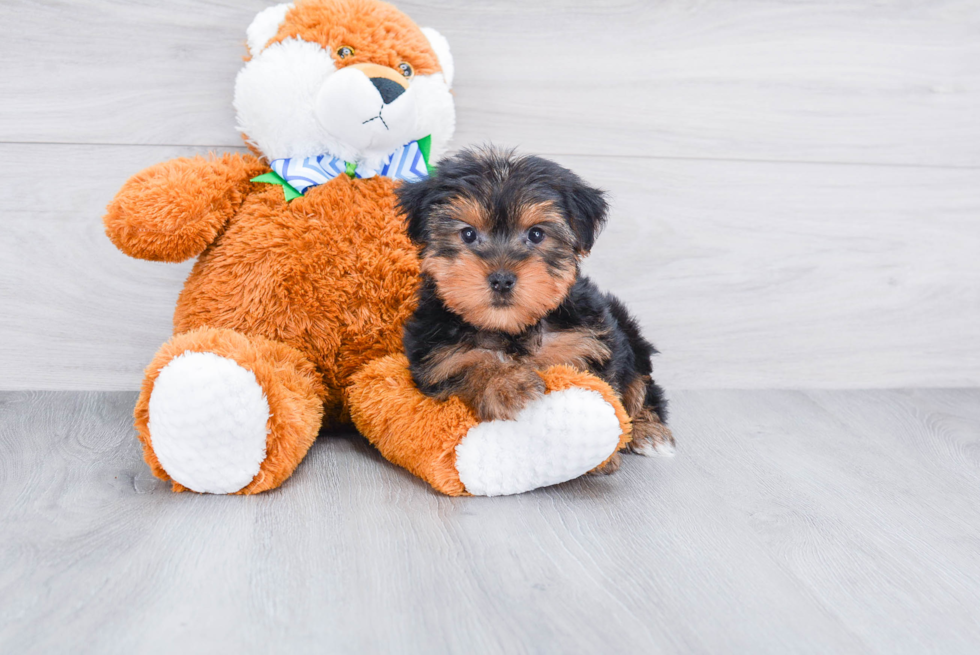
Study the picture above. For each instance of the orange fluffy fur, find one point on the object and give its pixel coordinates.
(329, 276)
(172, 211)
(376, 31)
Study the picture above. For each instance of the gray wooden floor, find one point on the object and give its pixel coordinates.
(789, 522)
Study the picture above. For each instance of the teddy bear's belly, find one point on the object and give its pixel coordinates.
(331, 274)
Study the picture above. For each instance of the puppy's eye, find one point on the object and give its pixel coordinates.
(535, 235)
(345, 52)
(467, 234)
(406, 69)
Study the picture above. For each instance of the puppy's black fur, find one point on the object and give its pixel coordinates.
(501, 294)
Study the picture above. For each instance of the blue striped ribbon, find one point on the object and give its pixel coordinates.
(407, 163)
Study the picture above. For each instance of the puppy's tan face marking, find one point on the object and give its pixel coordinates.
(539, 290)
(469, 212)
(461, 282)
(539, 213)
(534, 248)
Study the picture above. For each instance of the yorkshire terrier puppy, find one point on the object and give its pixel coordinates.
(501, 295)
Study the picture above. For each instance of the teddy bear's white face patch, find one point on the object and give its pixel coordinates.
(292, 101)
(275, 95)
(372, 115)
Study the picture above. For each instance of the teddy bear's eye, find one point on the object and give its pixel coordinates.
(345, 52)
(406, 69)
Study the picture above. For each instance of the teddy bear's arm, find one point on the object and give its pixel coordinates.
(172, 211)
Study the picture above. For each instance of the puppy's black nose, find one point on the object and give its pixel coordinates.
(502, 281)
(388, 89)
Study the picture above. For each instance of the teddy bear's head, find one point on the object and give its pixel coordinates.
(355, 79)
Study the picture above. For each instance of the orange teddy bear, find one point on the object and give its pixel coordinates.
(292, 316)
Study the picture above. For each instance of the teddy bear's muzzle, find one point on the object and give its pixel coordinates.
(389, 82)
(368, 107)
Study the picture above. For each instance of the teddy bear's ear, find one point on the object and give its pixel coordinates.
(441, 47)
(264, 26)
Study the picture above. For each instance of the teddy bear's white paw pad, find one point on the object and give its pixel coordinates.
(208, 419)
(556, 438)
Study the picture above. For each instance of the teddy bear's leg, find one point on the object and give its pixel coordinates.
(223, 412)
(577, 426)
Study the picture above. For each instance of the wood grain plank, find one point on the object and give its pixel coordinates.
(746, 275)
(789, 522)
(860, 81)
(847, 489)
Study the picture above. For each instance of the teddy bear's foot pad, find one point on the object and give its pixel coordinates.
(208, 422)
(556, 438)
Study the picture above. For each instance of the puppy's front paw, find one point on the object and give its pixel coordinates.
(651, 438)
(507, 393)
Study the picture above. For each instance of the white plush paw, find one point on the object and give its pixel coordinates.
(556, 438)
(208, 419)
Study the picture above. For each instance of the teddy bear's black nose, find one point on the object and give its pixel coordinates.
(388, 89)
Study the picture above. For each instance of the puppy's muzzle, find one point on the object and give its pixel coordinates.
(502, 282)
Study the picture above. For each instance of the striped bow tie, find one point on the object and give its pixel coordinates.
(410, 163)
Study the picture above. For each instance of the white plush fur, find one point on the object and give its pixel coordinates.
(554, 439)
(441, 47)
(366, 129)
(292, 101)
(274, 99)
(264, 26)
(208, 422)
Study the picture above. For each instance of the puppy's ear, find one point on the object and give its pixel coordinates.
(586, 208)
(415, 201)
